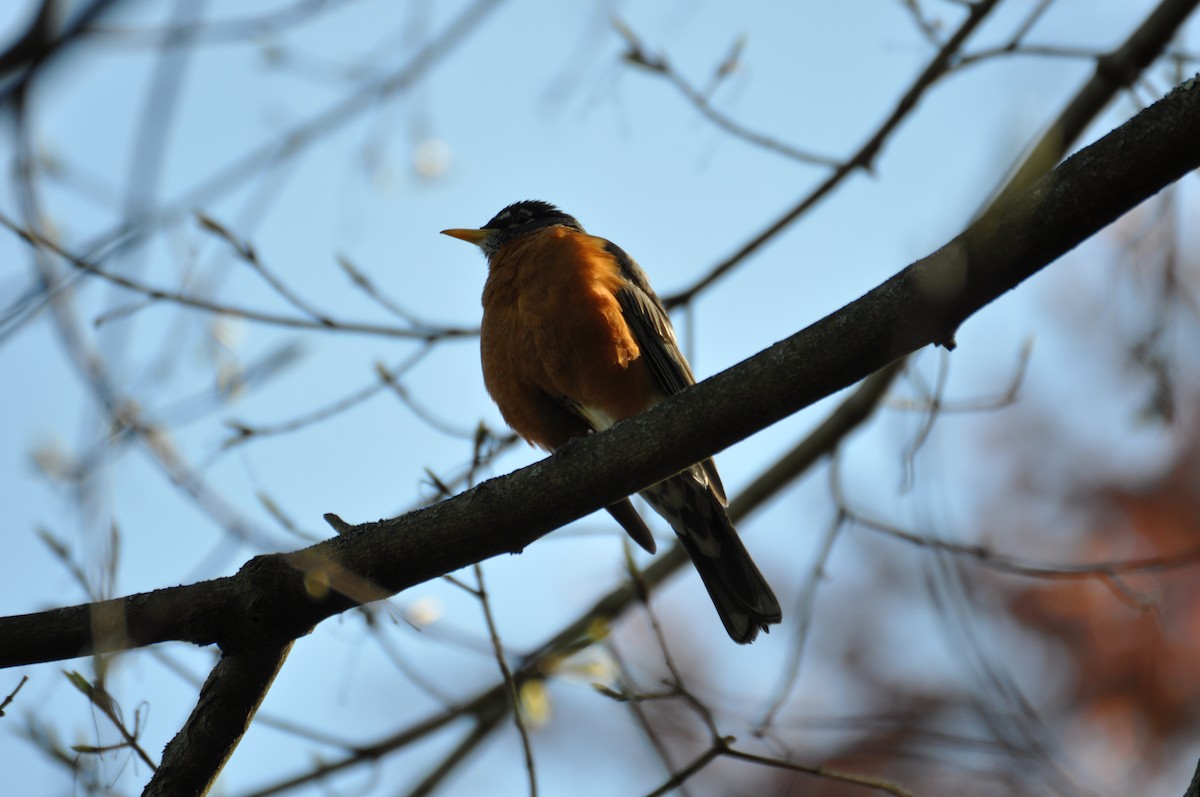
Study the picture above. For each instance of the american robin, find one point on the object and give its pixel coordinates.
(574, 340)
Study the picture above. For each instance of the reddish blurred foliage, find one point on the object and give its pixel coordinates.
(1133, 638)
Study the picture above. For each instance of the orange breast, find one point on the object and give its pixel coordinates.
(552, 329)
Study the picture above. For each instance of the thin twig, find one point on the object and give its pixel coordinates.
(248, 254)
(13, 694)
(510, 683)
(805, 611)
(195, 302)
(636, 54)
(862, 159)
(867, 781)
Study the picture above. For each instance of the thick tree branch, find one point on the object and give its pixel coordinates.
(192, 613)
(228, 701)
(279, 597)
(1193, 789)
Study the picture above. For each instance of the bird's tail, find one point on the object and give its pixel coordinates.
(738, 590)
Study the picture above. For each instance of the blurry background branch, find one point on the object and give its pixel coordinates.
(925, 303)
(991, 585)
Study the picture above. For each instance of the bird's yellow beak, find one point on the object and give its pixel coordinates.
(476, 237)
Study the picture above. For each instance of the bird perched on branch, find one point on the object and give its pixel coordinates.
(574, 340)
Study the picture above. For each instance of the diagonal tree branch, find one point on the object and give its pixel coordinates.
(274, 599)
(580, 632)
(228, 701)
(281, 596)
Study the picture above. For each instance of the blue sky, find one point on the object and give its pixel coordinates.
(535, 103)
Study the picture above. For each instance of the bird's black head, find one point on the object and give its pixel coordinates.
(522, 218)
(515, 221)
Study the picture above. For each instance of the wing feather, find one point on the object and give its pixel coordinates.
(651, 327)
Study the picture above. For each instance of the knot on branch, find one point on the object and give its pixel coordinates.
(269, 590)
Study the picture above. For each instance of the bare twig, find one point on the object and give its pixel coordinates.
(637, 55)
(249, 255)
(11, 696)
(805, 611)
(84, 265)
(510, 683)
(99, 697)
(862, 159)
